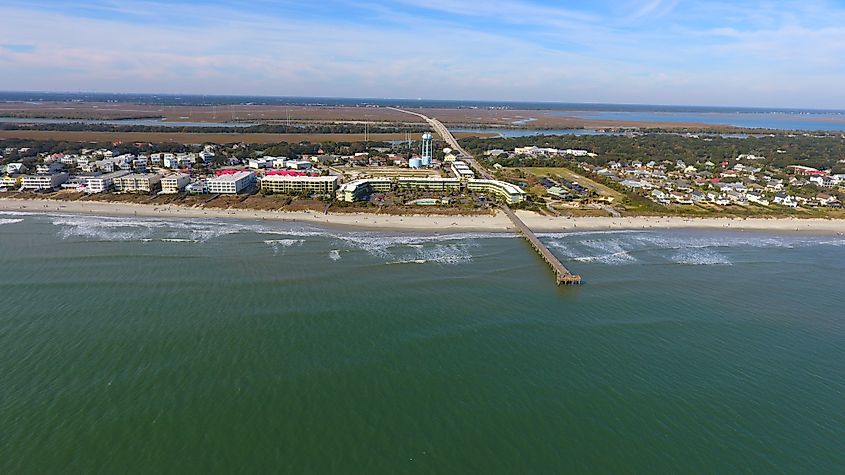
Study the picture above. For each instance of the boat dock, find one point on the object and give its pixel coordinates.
(562, 274)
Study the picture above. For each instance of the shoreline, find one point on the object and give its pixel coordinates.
(437, 223)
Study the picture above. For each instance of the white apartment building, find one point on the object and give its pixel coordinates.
(102, 183)
(140, 164)
(44, 182)
(461, 170)
(299, 164)
(260, 163)
(206, 156)
(175, 183)
(231, 184)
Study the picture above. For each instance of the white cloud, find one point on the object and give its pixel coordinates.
(702, 52)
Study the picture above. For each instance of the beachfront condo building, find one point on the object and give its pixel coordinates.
(428, 183)
(321, 185)
(232, 183)
(358, 190)
(137, 183)
(510, 193)
(175, 183)
(102, 183)
(44, 182)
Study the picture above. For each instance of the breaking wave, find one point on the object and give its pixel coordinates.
(133, 229)
(608, 252)
(447, 249)
(612, 247)
(627, 247)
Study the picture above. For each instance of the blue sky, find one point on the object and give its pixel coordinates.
(745, 53)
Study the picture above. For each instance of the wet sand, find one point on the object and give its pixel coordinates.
(435, 223)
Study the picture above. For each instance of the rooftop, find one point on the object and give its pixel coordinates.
(300, 178)
(231, 177)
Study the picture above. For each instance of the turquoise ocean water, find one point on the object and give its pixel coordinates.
(144, 345)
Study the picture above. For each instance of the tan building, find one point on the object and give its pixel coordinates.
(290, 185)
(428, 184)
(138, 183)
(359, 189)
(512, 194)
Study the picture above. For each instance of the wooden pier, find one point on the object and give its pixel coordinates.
(562, 274)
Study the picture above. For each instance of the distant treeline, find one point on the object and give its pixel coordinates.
(280, 149)
(780, 151)
(256, 129)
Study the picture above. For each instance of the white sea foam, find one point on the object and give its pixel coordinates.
(170, 240)
(410, 261)
(10, 221)
(445, 254)
(616, 248)
(570, 234)
(685, 247)
(334, 254)
(135, 229)
(700, 257)
(445, 249)
(19, 213)
(612, 247)
(610, 252)
(562, 249)
(279, 245)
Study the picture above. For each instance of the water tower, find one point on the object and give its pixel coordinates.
(427, 144)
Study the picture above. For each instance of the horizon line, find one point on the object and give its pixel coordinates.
(488, 101)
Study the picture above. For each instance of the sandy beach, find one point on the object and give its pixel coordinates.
(436, 223)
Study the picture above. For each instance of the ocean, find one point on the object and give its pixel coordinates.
(150, 345)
